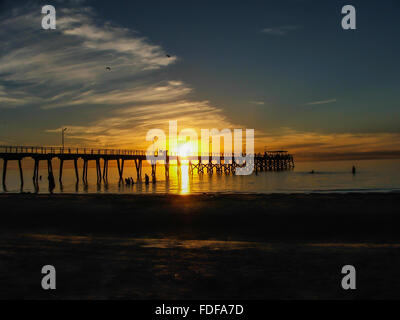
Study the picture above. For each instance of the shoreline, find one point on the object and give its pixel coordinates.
(265, 217)
(195, 194)
(208, 246)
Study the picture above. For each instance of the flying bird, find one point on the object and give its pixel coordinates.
(168, 56)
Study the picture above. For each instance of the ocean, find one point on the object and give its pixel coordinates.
(328, 176)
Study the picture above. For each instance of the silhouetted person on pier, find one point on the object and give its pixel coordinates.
(146, 179)
(132, 182)
(40, 178)
(312, 172)
(354, 170)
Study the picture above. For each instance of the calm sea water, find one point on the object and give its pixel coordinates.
(372, 176)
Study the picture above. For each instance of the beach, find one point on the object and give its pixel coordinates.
(215, 246)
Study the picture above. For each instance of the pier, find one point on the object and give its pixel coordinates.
(218, 163)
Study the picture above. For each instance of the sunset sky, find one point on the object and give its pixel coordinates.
(285, 68)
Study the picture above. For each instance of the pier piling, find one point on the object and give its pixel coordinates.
(21, 174)
(105, 170)
(121, 169)
(98, 170)
(61, 170)
(4, 172)
(76, 170)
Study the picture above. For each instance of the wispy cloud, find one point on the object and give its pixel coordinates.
(318, 145)
(279, 31)
(66, 68)
(47, 68)
(313, 103)
(128, 127)
(258, 103)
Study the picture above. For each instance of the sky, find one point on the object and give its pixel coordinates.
(286, 69)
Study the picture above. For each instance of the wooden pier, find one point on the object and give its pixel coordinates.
(212, 163)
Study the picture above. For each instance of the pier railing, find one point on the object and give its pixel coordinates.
(38, 150)
(68, 151)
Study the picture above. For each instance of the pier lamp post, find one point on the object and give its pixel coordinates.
(62, 135)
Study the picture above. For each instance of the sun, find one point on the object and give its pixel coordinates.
(184, 150)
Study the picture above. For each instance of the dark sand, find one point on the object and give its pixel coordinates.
(200, 246)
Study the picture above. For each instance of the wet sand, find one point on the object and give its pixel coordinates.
(200, 246)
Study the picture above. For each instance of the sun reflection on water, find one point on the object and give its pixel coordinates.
(183, 179)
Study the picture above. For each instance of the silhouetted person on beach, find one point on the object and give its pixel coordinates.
(146, 179)
(354, 170)
(312, 172)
